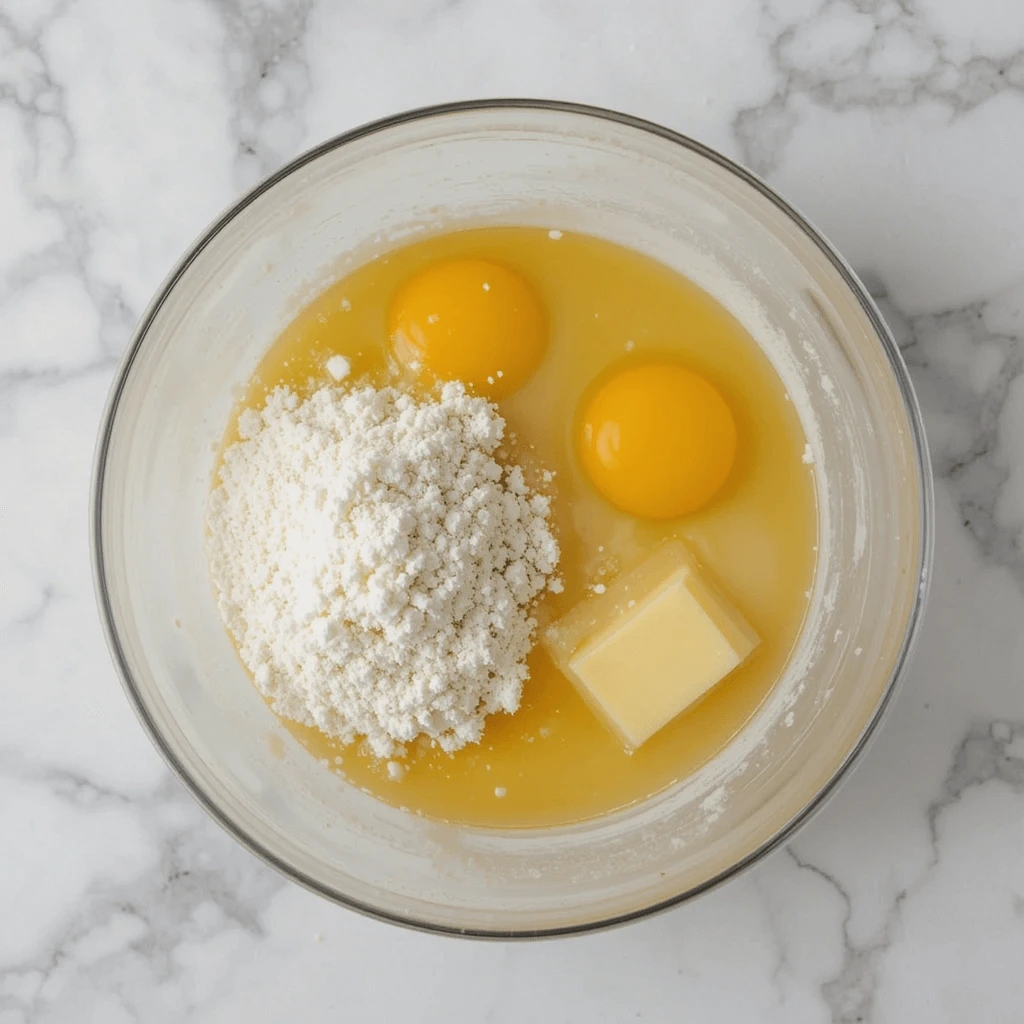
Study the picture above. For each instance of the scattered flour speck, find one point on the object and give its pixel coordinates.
(713, 805)
(338, 367)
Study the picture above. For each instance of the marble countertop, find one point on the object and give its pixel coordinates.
(896, 125)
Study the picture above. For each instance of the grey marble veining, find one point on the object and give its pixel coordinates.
(898, 127)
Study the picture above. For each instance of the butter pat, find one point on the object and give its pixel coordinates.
(651, 645)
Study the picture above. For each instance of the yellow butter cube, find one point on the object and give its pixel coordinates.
(652, 644)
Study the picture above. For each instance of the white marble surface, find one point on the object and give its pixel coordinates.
(897, 126)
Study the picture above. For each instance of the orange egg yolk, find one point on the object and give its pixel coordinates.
(657, 440)
(470, 320)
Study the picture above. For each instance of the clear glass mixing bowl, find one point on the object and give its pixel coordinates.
(514, 163)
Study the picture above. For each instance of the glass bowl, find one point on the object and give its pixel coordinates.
(526, 163)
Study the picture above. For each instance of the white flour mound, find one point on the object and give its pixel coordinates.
(376, 565)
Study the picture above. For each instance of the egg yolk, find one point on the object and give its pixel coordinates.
(470, 320)
(657, 440)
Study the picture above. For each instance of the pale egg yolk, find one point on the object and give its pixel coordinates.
(470, 320)
(657, 440)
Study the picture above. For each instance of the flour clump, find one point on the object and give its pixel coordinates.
(376, 564)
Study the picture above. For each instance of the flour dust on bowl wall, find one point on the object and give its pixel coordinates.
(511, 518)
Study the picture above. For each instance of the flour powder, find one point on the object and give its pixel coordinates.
(376, 565)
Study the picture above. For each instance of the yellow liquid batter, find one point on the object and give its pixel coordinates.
(554, 761)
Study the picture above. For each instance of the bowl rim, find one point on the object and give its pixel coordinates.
(102, 589)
